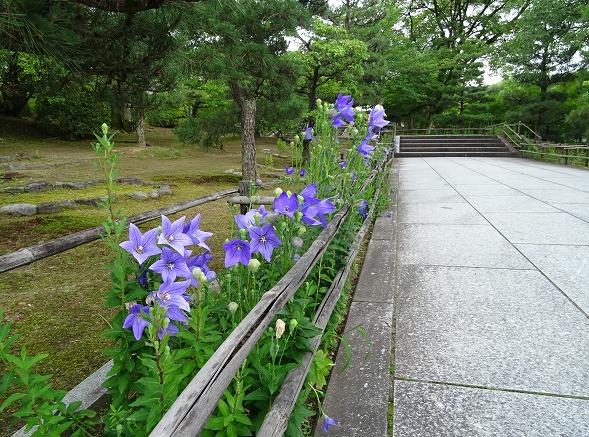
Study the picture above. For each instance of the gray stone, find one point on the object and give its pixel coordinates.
(16, 166)
(74, 185)
(129, 181)
(16, 190)
(19, 209)
(5, 158)
(48, 208)
(485, 190)
(36, 187)
(457, 245)
(505, 329)
(164, 190)
(424, 409)
(67, 204)
(154, 194)
(139, 195)
(359, 396)
(58, 184)
(384, 227)
(93, 201)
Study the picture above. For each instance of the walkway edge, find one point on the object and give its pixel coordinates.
(359, 397)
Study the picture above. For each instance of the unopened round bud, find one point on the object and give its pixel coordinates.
(292, 144)
(297, 138)
(332, 113)
(257, 217)
(259, 182)
(104, 128)
(283, 225)
(232, 307)
(298, 215)
(253, 265)
(319, 102)
(243, 233)
(199, 275)
(354, 131)
(301, 199)
(301, 230)
(293, 324)
(297, 242)
(277, 192)
(272, 217)
(228, 277)
(289, 193)
(280, 327)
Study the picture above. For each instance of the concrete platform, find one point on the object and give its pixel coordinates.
(483, 270)
(492, 326)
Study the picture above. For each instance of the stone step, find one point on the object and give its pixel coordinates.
(424, 154)
(454, 148)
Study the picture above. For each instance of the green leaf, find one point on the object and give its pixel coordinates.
(11, 399)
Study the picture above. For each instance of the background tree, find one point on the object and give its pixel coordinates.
(243, 44)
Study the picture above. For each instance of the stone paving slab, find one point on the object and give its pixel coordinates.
(448, 213)
(552, 195)
(497, 328)
(434, 410)
(359, 397)
(579, 210)
(518, 203)
(429, 196)
(457, 245)
(496, 189)
(377, 278)
(566, 266)
(540, 228)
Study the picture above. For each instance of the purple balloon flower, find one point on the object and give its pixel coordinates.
(264, 241)
(364, 148)
(136, 320)
(171, 265)
(327, 422)
(197, 236)
(343, 164)
(237, 251)
(173, 235)
(141, 246)
(286, 204)
(171, 294)
(309, 192)
(376, 120)
(318, 209)
(303, 172)
(171, 329)
(289, 170)
(247, 220)
(362, 209)
(308, 135)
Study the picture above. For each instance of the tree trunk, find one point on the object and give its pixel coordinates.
(141, 128)
(248, 143)
(247, 105)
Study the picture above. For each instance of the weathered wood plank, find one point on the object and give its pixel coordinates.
(253, 200)
(34, 253)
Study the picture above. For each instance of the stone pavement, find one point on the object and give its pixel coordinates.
(490, 309)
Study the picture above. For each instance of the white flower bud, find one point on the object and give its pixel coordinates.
(319, 102)
(280, 327)
(297, 138)
(104, 128)
(272, 217)
(297, 242)
(253, 265)
(232, 307)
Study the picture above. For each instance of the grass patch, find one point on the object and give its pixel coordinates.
(161, 153)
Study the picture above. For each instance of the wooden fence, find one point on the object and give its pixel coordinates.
(193, 408)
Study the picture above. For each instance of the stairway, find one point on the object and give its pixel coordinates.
(453, 145)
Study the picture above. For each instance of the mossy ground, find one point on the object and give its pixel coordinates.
(57, 303)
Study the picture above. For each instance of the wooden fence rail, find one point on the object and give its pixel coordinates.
(189, 414)
(34, 253)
